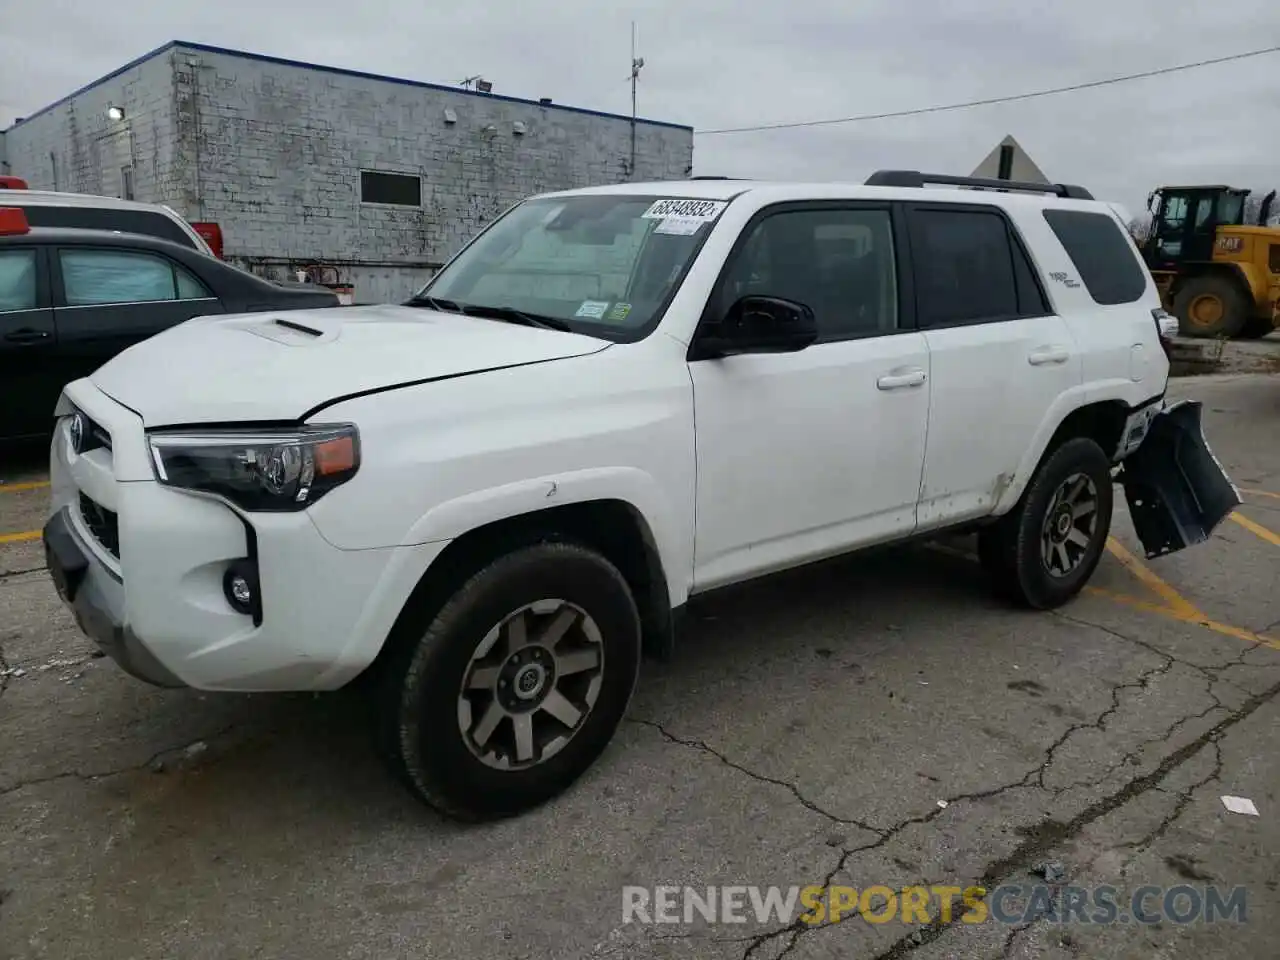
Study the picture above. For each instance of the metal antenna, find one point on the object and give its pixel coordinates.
(636, 64)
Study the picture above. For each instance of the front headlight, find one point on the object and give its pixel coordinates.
(259, 469)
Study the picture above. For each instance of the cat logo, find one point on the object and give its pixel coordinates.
(1230, 244)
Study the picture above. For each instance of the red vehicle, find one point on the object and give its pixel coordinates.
(12, 183)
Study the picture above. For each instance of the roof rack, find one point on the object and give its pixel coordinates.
(716, 178)
(914, 178)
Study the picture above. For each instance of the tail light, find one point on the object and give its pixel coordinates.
(1167, 325)
(211, 234)
(13, 221)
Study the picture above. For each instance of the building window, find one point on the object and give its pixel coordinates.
(126, 183)
(401, 189)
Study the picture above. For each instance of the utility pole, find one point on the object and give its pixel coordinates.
(636, 64)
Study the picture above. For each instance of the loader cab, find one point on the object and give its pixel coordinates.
(1185, 221)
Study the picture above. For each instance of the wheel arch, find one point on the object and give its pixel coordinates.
(616, 528)
(1099, 418)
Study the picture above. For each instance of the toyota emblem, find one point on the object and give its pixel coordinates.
(77, 432)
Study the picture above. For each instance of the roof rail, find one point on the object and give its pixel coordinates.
(914, 178)
(716, 178)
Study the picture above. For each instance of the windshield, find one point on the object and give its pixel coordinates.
(1230, 208)
(603, 265)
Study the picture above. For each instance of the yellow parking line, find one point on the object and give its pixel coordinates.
(1254, 527)
(1260, 493)
(1248, 636)
(1179, 605)
(1175, 606)
(19, 487)
(19, 537)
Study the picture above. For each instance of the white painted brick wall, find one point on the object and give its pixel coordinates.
(273, 153)
(280, 150)
(75, 147)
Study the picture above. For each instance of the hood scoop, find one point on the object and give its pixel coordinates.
(291, 333)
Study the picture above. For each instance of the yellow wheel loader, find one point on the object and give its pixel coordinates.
(1217, 274)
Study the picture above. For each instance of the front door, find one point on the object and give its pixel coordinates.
(807, 454)
(999, 357)
(28, 388)
(1185, 227)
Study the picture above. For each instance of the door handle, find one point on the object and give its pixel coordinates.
(26, 336)
(1043, 355)
(904, 378)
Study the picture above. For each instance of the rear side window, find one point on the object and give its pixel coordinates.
(1101, 253)
(102, 218)
(93, 277)
(969, 269)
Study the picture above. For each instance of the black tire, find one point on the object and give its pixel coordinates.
(1255, 328)
(1236, 308)
(1012, 549)
(419, 697)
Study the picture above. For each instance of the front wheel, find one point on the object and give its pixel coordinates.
(517, 684)
(1043, 552)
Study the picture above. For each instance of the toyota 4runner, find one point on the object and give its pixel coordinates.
(489, 500)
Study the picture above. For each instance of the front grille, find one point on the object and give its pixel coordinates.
(101, 522)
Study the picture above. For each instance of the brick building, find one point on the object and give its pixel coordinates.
(360, 179)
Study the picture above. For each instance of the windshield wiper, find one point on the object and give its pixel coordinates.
(435, 303)
(512, 315)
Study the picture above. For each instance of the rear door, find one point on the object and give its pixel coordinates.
(28, 390)
(106, 299)
(999, 357)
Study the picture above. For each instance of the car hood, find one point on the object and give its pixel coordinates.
(280, 365)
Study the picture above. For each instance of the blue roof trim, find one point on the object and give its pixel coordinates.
(344, 72)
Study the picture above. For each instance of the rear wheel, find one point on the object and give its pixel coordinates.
(1043, 551)
(516, 686)
(1211, 305)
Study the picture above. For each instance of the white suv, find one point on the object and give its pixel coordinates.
(489, 499)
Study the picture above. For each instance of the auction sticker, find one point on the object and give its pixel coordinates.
(679, 226)
(593, 309)
(685, 209)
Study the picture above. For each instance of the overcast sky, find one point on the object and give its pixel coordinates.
(726, 63)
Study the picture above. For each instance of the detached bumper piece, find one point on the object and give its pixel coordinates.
(1177, 491)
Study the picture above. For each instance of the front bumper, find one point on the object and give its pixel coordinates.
(141, 567)
(96, 599)
(1178, 493)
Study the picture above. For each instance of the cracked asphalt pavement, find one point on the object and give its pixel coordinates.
(878, 720)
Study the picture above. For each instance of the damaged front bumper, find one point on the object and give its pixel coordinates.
(1177, 490)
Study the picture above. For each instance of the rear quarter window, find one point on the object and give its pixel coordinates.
(1101, 254)
(102, 218)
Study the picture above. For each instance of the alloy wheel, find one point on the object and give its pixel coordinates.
(530, 685)
(1070, 525)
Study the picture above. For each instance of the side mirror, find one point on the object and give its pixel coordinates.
(759, 325)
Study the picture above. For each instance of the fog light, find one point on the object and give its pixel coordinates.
(240, 585)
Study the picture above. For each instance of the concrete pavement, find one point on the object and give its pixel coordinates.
(872, 721)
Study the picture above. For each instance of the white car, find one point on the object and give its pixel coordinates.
(86, 211)
(489, 499)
